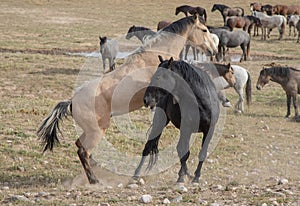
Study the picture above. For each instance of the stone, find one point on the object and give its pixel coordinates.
(146, 199)
(166, 201)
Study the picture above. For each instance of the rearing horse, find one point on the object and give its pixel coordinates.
(122, 90)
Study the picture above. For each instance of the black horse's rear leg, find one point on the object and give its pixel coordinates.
(85, 161)
(183, 169)
(198, 172)
(288, 104)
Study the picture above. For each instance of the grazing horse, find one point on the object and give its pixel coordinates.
(109, 49)
(186, 9)
(187, 97)
(270, 22)
(288, 78)
(227, 11)
(292, 21)
(245, 22)
(286, 10)
(142, 33)
(120, 91)
(163, 24)
(231, 39)
(298, 29)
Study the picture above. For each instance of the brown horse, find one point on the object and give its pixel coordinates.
(186, 9)
(288, 78)
(122, 90)
(245, 22)
(255, 6)
(286, 10)
(163, 24)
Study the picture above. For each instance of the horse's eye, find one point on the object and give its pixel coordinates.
(204, 30)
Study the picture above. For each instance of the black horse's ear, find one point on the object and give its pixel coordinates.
(100, 37)
(229, 65)
(170, 61)
(160, 59)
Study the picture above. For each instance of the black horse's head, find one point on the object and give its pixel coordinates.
(161, 84)
(103, 40)
(130, 32)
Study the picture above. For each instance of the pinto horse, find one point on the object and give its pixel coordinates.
(227, 11)
(245, 22)
(268, 8)
(186, 9)
(187, 97)
(286, 10)
(288, 78)
(255, 6)
(292, 21)
(120, 91)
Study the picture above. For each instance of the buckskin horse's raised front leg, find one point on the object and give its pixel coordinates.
(85, 161)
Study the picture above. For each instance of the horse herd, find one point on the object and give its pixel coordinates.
(185, 93)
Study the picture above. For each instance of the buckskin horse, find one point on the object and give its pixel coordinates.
(120, 91)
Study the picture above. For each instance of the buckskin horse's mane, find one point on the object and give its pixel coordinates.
(283, 71)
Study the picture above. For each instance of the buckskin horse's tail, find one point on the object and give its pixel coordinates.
(47, 132)
(248, 90)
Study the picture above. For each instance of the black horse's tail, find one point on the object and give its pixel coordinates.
(49, 127)
(248, 90)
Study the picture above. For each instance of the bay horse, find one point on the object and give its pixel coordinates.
(231, 39)
(120, 91)
(227, 11)
(288, 78)
(270, 22)
(142, 33)
(187, 97)
(285, 10)
(245, 22)
(186, 9)
(292, 21)
(109, 49)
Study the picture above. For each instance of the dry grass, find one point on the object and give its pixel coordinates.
(35, 74)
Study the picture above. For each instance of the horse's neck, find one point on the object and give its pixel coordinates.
(278, 79)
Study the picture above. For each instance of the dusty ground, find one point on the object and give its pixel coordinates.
(257, 150)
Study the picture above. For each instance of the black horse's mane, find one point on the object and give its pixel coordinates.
(139, 28)
(180, 25)
(193, 76)
(220, 6)
(279, 71)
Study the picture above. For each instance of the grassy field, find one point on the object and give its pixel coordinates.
(255, 151)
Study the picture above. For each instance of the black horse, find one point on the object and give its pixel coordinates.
(227, 11)
(186, 9)
(187, 97)
(142, 33)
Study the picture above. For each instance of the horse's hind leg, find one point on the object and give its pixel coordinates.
(85, 144)
(288, 104)
(85, 160)
(183, 153)
(239, 106)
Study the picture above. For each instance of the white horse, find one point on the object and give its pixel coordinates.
(292, 22)
(109, 49)
(270, 22)
(243, 80)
